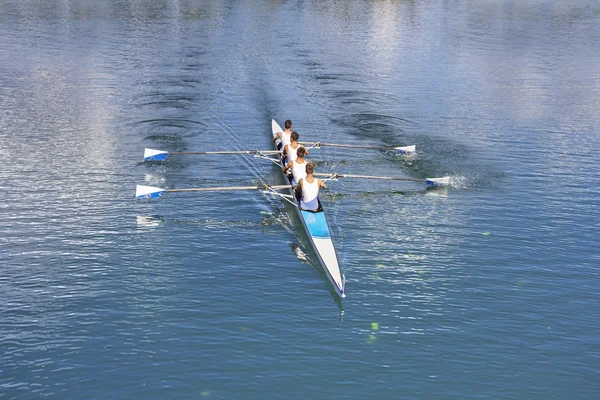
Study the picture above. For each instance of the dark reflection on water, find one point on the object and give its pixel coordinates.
(483, 289)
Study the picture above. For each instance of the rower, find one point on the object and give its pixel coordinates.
(308, 189)
(290, 151)
(298, 166)
(284, 136)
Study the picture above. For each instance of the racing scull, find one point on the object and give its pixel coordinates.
(316, 228)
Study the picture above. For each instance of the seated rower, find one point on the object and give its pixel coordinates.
(290, 151)
(308, 188)
(284, 136)
(298, 166)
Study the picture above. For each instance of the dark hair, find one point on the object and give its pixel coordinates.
(301, 151)
(288, 124)
(295, 136)
(310, 168)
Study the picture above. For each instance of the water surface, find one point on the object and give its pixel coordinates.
(487, 289)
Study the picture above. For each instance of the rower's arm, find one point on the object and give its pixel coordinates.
(276, 136)
(287, 166)
(298, 190)
(322, 184)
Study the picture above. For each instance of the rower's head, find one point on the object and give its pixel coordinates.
(294, 136)
(288, 123)
(301, 152)
(310, 168)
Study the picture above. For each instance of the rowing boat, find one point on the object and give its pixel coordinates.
(313, 222)
(316, 228)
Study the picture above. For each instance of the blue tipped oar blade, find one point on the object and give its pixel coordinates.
(148, 192)
(407, 150)
(445, 181)
(155, 155)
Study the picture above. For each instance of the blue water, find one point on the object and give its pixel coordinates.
(487, 289)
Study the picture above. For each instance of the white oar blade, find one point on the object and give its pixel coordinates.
(148, 192)
(445, 181)
(406, 150)
(155, 155)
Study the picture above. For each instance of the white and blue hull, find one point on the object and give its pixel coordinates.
(316, 227)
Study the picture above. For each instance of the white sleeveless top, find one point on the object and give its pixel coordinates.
(292, 154)
(286, 138)
(298, 171)
(310, 193)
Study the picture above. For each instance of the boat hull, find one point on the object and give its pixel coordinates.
(316, 228)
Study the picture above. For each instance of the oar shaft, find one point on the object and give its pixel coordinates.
(227, 188)
(387, 178)
(354, 146)
(226, 152)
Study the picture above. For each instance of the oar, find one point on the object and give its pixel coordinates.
(145, 192)
(161, 155)
(445, 181)
(398, 150)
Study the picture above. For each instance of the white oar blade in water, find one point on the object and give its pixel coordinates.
(148, 192)
(445, 181)
(155, 155)
(408, 150)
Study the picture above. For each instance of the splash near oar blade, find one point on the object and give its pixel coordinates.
(148, 192)
(445, 181)
(155, 155)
